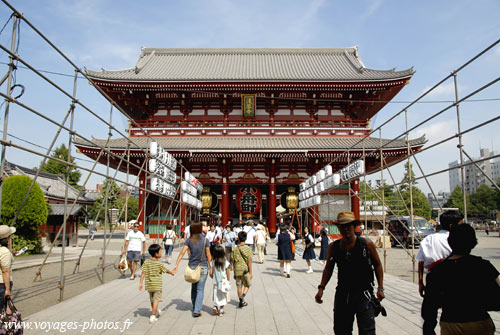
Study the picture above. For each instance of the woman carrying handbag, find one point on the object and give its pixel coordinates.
(6, 260)
(9, 313)
(199, 260)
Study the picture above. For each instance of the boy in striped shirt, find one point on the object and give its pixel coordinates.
(152, 270)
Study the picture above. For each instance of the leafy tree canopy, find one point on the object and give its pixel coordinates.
(421, 206)
(34, 212)
(59, 168)
(456, 200)
(115, 200)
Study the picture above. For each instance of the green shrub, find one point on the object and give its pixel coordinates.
(32, 216)
(34, 246)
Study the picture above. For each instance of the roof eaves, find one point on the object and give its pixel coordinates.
(401, 75)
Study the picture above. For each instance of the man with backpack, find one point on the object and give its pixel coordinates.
(357, 260)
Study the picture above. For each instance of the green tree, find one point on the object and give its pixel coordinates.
(496, 196)
(421, 206)
(483, 201)
(366, 191)
(375, 194)
(132, 207)
(405, 182)
(33, 214)
(59, 168)
(456, 200)
(98, 208)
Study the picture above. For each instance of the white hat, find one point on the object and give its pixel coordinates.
(6, 231)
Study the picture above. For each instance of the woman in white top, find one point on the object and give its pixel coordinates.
(6, 260)
(260, 242)
(169, 238)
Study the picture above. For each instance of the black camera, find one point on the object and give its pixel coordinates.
(377, 307)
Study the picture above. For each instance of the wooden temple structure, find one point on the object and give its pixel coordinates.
(265, 118)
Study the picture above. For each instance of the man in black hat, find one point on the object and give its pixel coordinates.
(357, 259)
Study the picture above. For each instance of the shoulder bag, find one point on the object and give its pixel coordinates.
(193, 275)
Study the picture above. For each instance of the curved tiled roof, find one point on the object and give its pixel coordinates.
(248, 143)
(246, 64)
(52, 185)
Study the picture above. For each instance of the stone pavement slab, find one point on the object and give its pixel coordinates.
(276, 305)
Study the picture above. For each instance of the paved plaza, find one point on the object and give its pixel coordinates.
(276, 305)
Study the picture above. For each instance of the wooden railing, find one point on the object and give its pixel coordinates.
(252, 123)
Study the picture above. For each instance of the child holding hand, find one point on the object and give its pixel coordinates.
(220, 274)
(152, 271)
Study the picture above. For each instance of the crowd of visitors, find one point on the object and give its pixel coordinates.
(216, 251)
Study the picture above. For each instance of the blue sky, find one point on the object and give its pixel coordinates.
(435, 37)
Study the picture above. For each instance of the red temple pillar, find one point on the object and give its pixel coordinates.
(225, 204)
(142, 202)
(355, 198)
(271, 206)
(183, 215)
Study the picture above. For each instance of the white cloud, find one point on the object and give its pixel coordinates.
(111, 56)
(371, 9)
(443, 90)
(437, 131)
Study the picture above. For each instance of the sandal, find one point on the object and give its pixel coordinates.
(215, 310)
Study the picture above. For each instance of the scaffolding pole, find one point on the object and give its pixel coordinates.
(7, 105)
(410, 182)
(66, 212)
(110, 134)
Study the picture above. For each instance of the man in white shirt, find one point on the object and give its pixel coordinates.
(435, 247)
(135, 246)
(251, 231)
(212, 235)
(237, 229)
(187, 232)
(218, 230)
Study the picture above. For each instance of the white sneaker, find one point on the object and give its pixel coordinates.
(309, 271)
(158, 311)
(152, 319)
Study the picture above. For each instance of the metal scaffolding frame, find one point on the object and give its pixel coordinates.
(104, 150)
(412, 155)
(176, 204)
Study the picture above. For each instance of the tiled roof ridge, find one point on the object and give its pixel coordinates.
(250, 64)
(250, 51)
(393, 143)
(33, 171)
(48, 175)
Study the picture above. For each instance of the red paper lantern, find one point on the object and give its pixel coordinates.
(249, 201)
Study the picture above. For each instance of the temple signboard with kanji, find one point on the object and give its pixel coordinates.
(264, 119)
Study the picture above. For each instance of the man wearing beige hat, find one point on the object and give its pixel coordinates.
(6, 259)
(357, 259)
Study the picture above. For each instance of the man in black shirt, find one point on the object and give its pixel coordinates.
(464, 286)
(357, 259)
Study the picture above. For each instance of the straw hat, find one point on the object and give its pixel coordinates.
(346, 217)
(6, 231)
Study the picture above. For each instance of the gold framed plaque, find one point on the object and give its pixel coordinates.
(248, 105)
